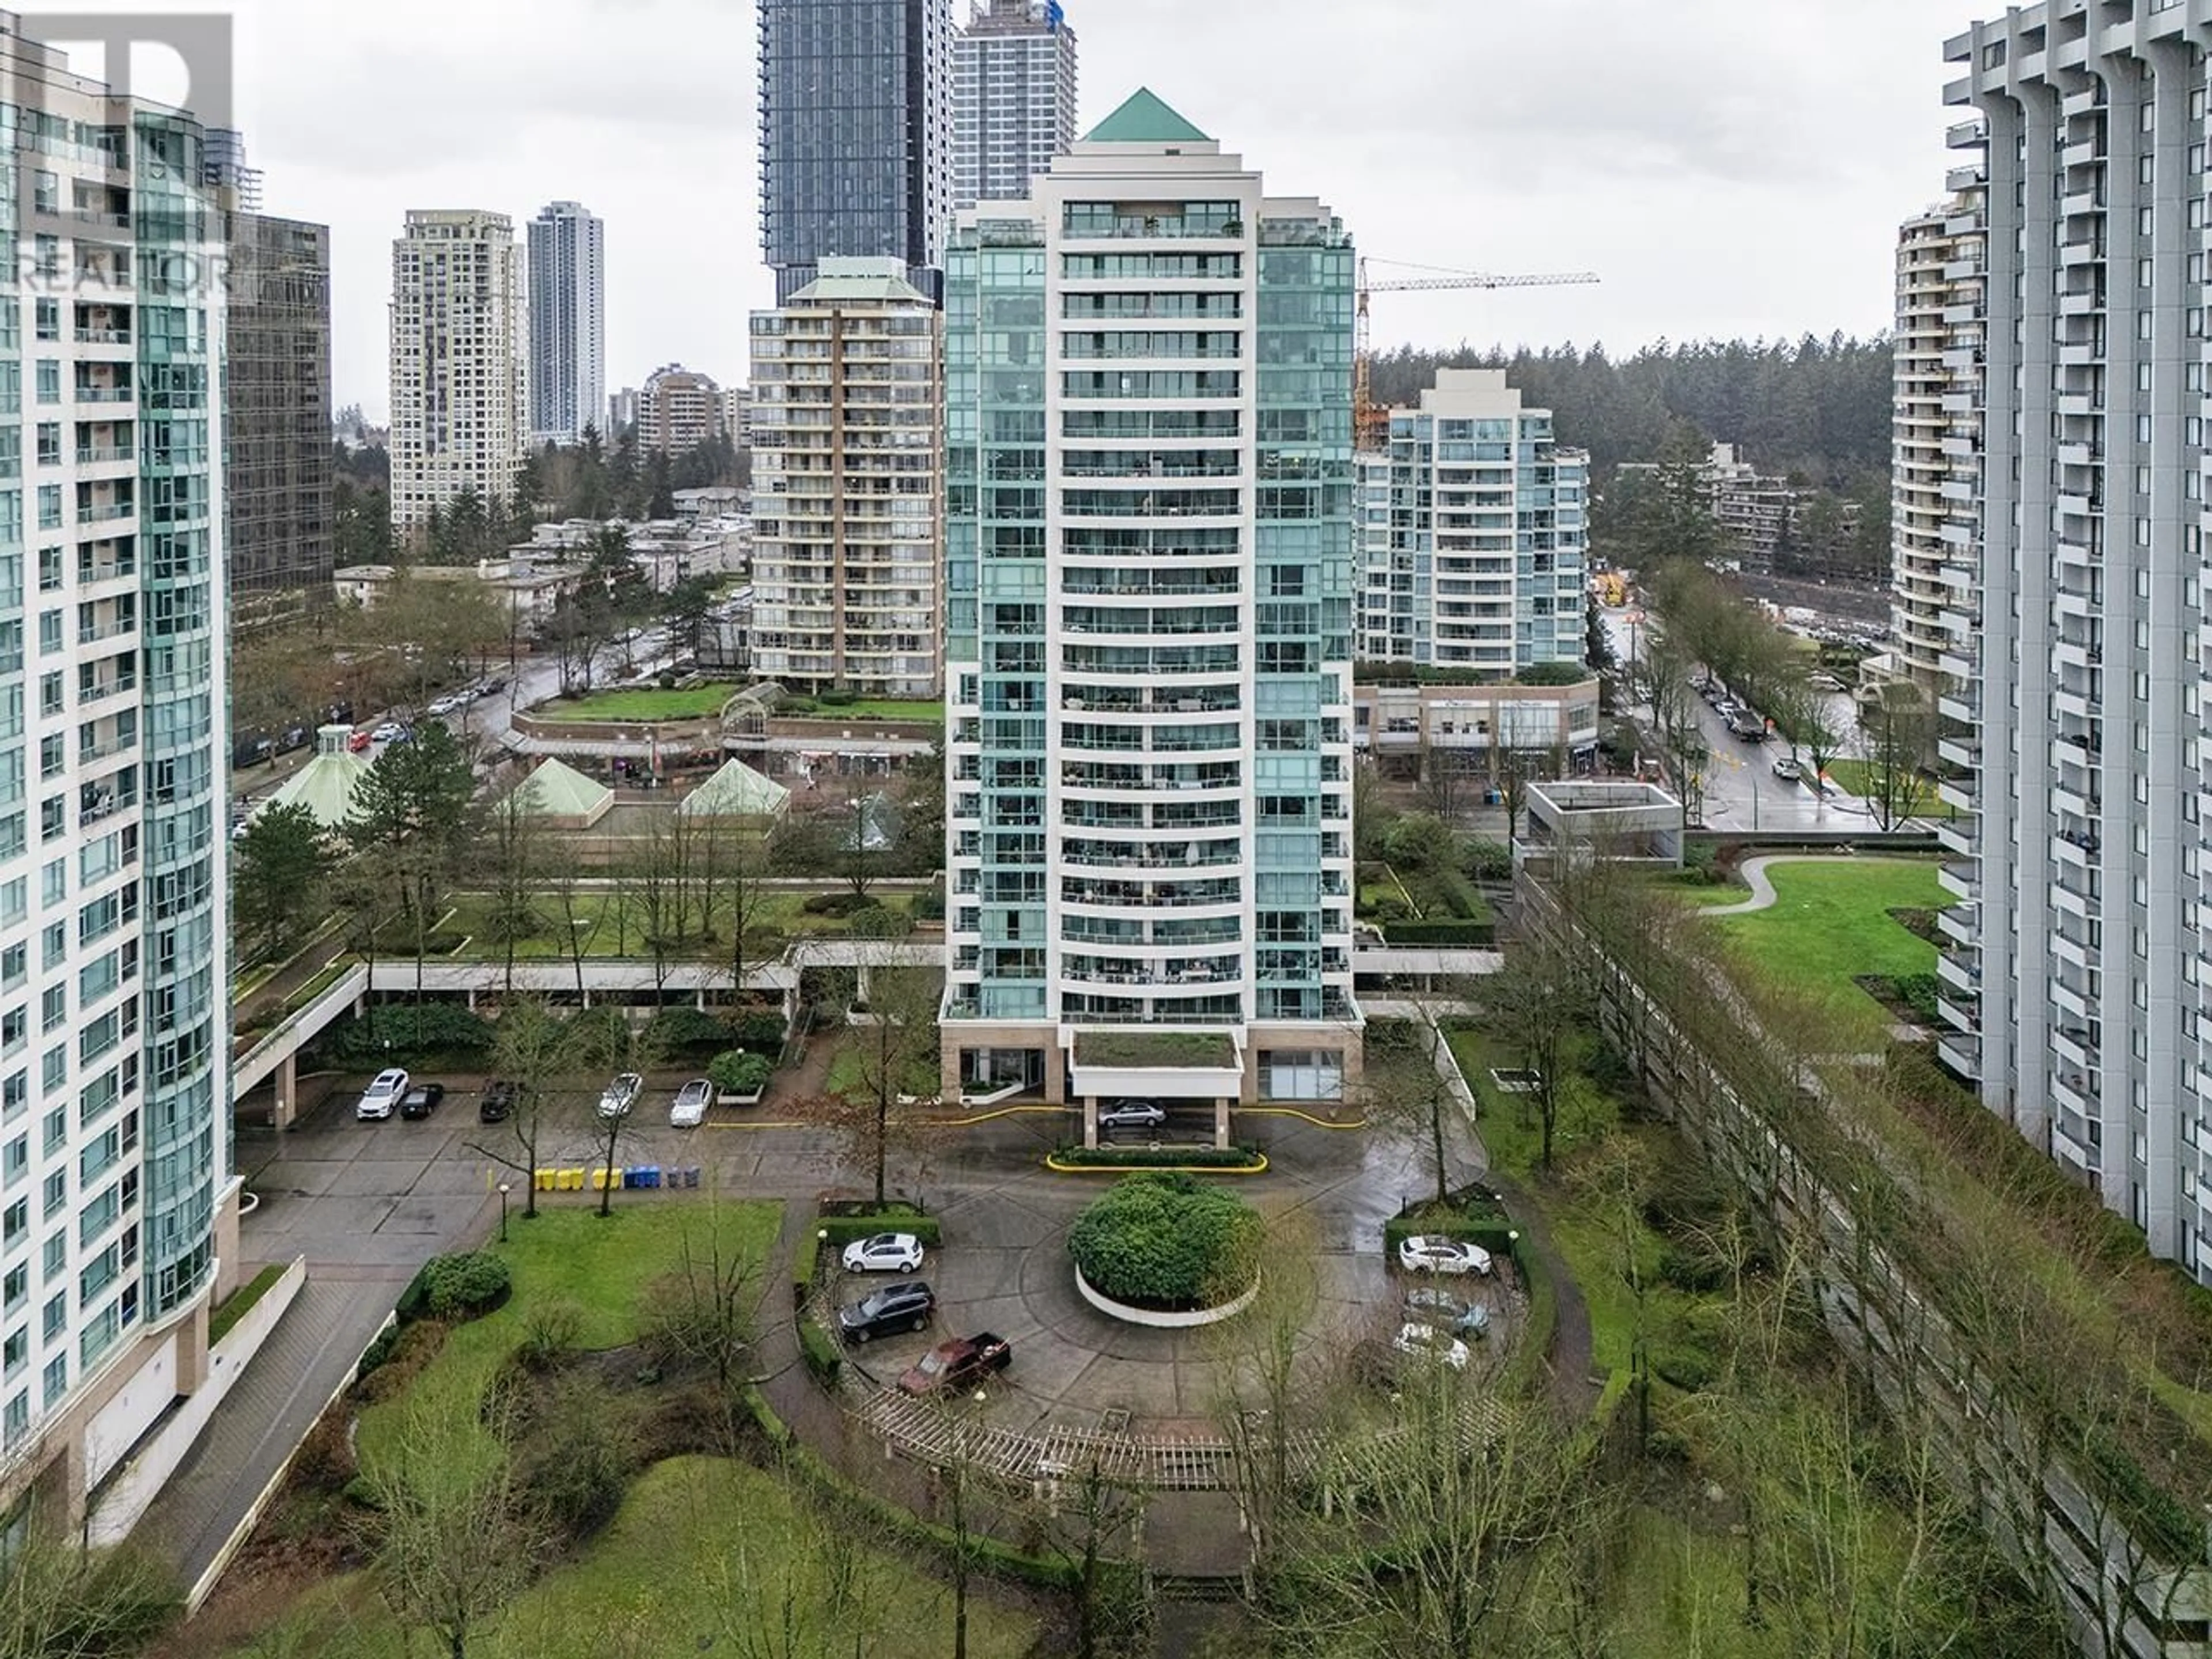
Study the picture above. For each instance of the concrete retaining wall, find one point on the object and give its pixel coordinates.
(143, 1473)
(1163, 1321)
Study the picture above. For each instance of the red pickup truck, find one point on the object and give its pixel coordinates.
(959, 1364)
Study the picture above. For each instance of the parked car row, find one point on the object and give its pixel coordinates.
(392, 1090)
(909, 1306)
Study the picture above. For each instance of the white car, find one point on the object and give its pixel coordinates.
(886, 1252)
(1420, 1255)
(693, 1101)
(1429, 1343)
(444, 706)
(1788, 769)
(390, 732)
(619, 1096)
(382, 1096)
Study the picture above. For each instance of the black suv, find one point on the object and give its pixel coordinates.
(498, 1101)
(908, 1307)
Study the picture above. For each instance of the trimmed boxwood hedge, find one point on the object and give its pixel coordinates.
(1167, 1242)
(843, 1229)
(1466, 935)
(819, 1352)
(1167, 1157)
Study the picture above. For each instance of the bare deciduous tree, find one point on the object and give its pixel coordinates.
(450, 1542)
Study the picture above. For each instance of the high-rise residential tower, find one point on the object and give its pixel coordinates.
(567, 323)
(1149, 590)
(1935, 476)
(460, 373)
(277, 467)
(856, 135)
(1478, 563)
(679, 410)
(1013, 98)
(2078, 691)
(120, 1200)
(847, 486)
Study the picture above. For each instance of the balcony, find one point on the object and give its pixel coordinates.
(1961, 877)
(101, 454)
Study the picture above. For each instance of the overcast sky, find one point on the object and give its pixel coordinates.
(1727, 168)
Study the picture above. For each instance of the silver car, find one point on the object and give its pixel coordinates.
(693, 1101)
(619, 1096)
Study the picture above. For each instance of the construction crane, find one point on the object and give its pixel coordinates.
(1370, 421)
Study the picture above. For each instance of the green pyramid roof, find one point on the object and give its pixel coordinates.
(736, 792)
(555, 791)
(1143, 119)
(324, 785)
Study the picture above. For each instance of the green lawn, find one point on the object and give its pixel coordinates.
(695, 703)
(568, 1253)
(1851, 775)
(1831, 921)
(703, 1557)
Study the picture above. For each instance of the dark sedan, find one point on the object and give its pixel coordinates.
(498, 1103)
(422, 1100)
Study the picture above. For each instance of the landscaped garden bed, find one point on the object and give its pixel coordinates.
(1229, 1160)
(1143, 1050)
(1162, 1244)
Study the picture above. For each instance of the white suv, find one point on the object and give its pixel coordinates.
(1418, 1254)
(382, 1096)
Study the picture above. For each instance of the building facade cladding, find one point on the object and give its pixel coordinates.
(1475, 555)
(114, 1097)
(679, 410)
(1936, 440)
(567, 302)
(1149, 541)
(460, 374)
(856, 135)
(1013, 98)
(276, 401)
(2085, 765)
(848, 486)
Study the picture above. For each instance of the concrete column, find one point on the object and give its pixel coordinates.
(1221, 1123)
(288, 1092)
(472, 1000)
(1090, 1123)
(950, 1056)
(861, 981)
(1055, 1074)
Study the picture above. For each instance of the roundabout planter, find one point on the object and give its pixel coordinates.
(1165, 1321)
(1163, 1249)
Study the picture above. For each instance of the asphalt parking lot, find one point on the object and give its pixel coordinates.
(391, 1192)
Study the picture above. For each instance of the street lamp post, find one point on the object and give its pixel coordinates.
(504, 1188)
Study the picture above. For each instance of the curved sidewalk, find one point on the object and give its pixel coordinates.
(1763, 896)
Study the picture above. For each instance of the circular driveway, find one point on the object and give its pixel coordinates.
(1004, 1268)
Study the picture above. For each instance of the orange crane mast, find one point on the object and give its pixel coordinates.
(1371, 421)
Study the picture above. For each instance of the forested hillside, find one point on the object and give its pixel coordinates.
(1820, 408)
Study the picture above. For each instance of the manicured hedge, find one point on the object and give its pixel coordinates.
(843, 1229)
(1464, 935)
(1167, 1157)
(1167, 1241)
(400, 1031)
(819, 1352)
(673, 1031)
(734, 1072)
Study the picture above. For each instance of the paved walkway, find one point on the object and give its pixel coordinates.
(1763, 896)
(267, 1411)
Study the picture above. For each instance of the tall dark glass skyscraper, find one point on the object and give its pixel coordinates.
(856, 134)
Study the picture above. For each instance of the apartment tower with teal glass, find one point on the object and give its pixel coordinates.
(1150, 584)
(118, 1205)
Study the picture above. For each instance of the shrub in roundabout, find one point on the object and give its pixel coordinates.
(1167, 1243)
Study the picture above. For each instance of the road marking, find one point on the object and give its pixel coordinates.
(1003, 1111)
(1307, 1117)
